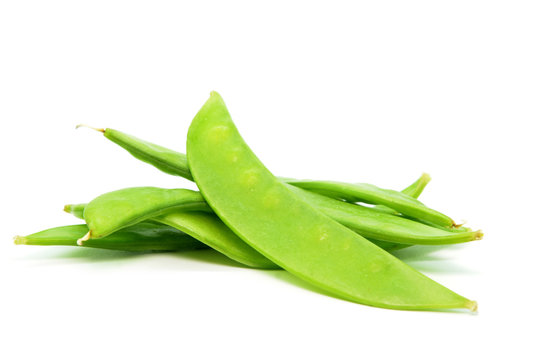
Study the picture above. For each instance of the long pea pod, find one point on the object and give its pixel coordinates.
(175, 163)
(372, 194)
(110, 214)
(272, 219)
(117, 209)
(381, 226)
(214, 239)
(139, 237)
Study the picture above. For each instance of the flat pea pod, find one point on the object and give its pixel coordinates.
(273, 220)
(175, 163)
(368, 222)
(219, 237)
(382, 226)
(112, 211)
(372, 194)
(211, 231)
(139, 237)
(204, 226)
(166, 160)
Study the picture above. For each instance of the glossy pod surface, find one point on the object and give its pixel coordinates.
(205, 227)
(371, 194)
(140, 237)
(382, 226)
(210, 230)
(121, 208)
(217, 237)
(287, 230)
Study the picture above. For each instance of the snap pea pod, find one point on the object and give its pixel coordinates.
(117, 209)
(210, 230)
(203, 226)
(175, 163)
(413, 190)
(214, 239)
(372, 194)
(139, 237)
(272, 219)
(382, 226)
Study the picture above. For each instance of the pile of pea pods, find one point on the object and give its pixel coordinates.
(338, 236)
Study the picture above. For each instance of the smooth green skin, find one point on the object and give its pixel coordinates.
(209, 229)
(414, 190)
(216, 238)
(381, 226)
(366, 221)
(271, 218)
(371, 194)
(139, 237)
(115, 210)
(166, 160)
(205, 227)
(175, 163)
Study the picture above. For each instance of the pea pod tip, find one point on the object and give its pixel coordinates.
(102, 130)
(472, 306)
(86, 237)
(18, 240)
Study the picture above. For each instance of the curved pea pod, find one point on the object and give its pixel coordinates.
(382, 226)
(211, 231)
(166, 160)
(117, 209)
(203, 226)
(284, 228)
(374, 195)
(140, 237)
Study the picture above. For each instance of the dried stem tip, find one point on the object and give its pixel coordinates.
(90, 127)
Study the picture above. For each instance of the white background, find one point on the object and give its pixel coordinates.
(356, 91)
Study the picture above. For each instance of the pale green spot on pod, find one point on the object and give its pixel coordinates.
(219, 133)
(250, 178)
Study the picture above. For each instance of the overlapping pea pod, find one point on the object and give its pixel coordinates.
(271, 218)
(153, 235)
(145, 236)
(115, 210)
(175, 163)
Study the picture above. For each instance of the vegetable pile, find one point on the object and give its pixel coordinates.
(317, 230)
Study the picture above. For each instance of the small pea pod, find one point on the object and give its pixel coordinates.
(139, 237)
(117, 209)
(273, 220)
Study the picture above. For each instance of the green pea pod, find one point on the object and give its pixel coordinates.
(284, 228)
(413, 190)
(371, 194)
(215, 238)
(139, 237)
(382, 226)
(108, 212)
(211, 231)
(175, 163)
(166, 160)
(117, 209)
